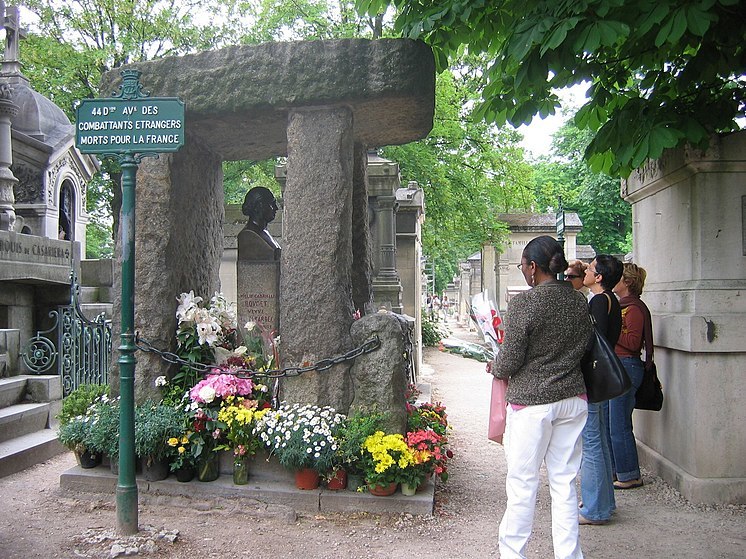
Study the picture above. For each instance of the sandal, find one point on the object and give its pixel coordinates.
(631, 484)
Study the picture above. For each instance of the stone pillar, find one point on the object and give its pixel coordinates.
(8, 109)
(464, 296)
(409, 219)
(362, 257)
(689, 230)
(383, 180)
(489, 273)
(181, 188)
(315, 281)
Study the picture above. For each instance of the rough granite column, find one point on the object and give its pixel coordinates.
(362, 259)
(181, 188)
(315, 281)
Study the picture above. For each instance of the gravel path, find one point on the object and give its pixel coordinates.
(42, 521)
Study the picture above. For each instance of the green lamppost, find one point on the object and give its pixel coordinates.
(116, 127)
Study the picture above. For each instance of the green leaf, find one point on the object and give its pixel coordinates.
(653, 17)
(679, 26)
(664, 32)
(697, 20)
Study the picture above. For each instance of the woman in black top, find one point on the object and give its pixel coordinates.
(596, 483)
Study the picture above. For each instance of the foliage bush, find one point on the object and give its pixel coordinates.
(155, 424)
(353, 432)
(432, 331)
(78, 402)
(104, 427)
(75, 434)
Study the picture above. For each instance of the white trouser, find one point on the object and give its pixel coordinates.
(548, 433)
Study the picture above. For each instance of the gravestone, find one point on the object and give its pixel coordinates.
(258, 265)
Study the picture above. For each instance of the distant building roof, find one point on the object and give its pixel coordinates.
(585, 252)
(540, 222)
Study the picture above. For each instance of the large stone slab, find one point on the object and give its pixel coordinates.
(238, 98)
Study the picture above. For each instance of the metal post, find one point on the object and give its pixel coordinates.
(131, 105)
(560, 222)
(126, 485)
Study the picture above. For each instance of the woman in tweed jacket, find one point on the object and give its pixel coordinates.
(547, 331)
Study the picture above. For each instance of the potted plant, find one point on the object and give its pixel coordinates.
(356, 427)
(240, 416)
(155, 424)
(385, 458)
(74, 434)
(303, 437)
(104, 429)
(180, 457)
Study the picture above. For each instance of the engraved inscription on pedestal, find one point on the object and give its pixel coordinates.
(257, 293)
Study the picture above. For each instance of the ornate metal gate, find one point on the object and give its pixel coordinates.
(77, 349)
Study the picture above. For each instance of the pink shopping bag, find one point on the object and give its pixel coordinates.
(498, 410)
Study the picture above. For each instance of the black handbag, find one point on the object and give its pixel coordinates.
(603, 372)
(649, 395)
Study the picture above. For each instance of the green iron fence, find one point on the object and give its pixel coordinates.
(77, 349)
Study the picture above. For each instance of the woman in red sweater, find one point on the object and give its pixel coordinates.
(636, 328)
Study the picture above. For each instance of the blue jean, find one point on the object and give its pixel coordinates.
(623, 444)
(596, 484)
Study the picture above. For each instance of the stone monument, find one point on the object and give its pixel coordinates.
(258, 266)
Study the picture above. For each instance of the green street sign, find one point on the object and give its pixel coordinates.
(147, 125)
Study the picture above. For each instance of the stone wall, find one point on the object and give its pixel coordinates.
(690, 236)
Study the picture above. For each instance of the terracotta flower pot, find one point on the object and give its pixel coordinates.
(306, 478)
(338, 480)
(382, 490)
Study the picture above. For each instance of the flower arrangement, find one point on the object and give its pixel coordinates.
(385, 458)
(240, 416)
(302, 436)
(427, 416)
(431, 452)
(179, 452)
(202, 329)
(206, 397)
(427, 432)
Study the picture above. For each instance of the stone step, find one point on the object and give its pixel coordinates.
(92, 310)
(12, 390)
(272, 491)
(99, 294)
(21, 419)
(27, 450)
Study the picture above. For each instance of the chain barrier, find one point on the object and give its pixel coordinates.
(322, 365)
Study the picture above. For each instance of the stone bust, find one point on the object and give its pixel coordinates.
(260, 207)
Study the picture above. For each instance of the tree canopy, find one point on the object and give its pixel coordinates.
(606, 217)
(662, 73)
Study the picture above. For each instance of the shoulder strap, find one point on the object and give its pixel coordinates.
(608, 300)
